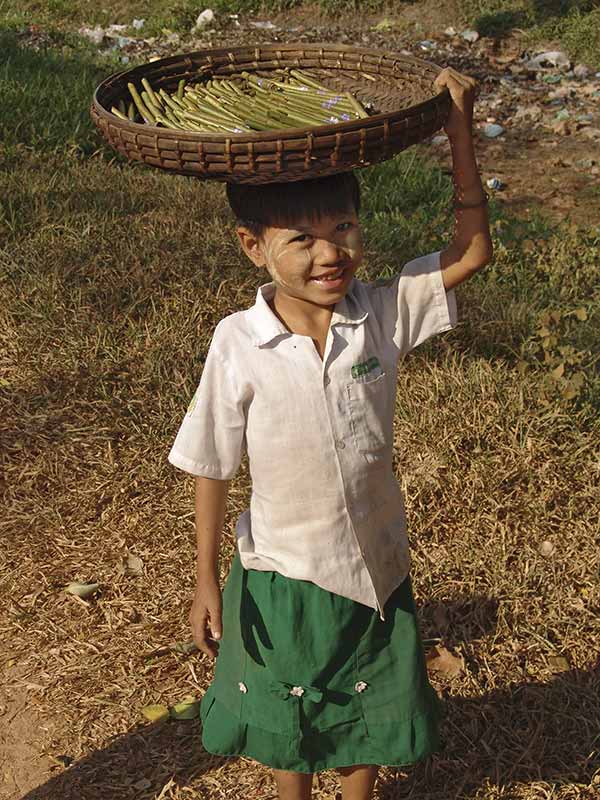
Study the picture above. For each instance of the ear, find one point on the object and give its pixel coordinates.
(252, 245)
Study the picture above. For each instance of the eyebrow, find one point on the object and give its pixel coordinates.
(341, 220)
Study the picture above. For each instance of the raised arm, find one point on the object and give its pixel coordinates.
(471, 248)
(205, 614)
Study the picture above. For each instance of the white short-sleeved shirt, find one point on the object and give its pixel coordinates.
(325, 504)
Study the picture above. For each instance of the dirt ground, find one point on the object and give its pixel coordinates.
(540, 160)
(24, 737)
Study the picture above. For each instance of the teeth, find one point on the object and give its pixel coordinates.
(331, 277)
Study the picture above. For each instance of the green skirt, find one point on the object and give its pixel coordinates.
(307, 680)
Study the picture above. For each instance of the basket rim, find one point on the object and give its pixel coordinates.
(271, 133)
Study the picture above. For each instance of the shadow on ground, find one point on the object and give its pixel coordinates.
(528, 732)
(524, 733)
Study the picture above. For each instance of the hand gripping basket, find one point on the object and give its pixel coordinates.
(400, 89)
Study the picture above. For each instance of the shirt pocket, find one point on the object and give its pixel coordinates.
(367, 405)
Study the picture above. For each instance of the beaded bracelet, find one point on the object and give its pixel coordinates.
(484, 202)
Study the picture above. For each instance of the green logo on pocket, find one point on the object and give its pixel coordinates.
(365, 367)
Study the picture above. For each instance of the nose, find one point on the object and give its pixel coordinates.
(327, 253)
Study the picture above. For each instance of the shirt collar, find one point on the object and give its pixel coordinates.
(266, 325)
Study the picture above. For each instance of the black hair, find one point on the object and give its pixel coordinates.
(259, 206)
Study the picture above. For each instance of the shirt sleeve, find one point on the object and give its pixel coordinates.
(416, 305)
(212, 437)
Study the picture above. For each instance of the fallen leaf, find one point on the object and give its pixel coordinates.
(558, 372)
(577, 380)
(558, 663)
(131, 565)
(82, 589)
(185, 648)
(562, 127)
(581, 314)
(155, 713)
(188, 708)
(441, 660)
(385, 24)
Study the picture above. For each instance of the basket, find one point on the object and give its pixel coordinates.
(398, 87)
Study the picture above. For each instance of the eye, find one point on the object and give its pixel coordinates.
(345, 226)
(302, 237)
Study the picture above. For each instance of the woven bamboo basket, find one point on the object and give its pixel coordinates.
(400, 89)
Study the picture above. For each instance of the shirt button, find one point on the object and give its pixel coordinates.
(340, 445)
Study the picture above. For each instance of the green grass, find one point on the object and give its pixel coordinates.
(46, 94)
(178, 15)
(575, 24)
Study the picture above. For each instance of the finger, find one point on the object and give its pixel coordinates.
(216, 622)
(442, 78)
(206, 645)
(199, 632)
(458, 75)
(464, 80)
(453, 83)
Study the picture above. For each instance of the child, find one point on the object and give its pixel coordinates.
(320, 662)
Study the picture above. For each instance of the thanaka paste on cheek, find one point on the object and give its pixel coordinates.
(293, 265)
(277, 249)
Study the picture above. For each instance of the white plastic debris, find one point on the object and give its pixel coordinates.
(427, 44)
(96, 35)
(552, 58)
(204, 18)
(138, 24)
(450, 31)
(123, 41)
(263, 25)
(470, 35)
(437, 140)
(491, 130)
(115, 29)
(494, 183)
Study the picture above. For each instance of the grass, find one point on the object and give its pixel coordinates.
(113, 278)
(575, 24)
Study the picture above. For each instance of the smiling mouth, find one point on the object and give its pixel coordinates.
(332, 276)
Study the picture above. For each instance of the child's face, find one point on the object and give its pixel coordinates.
(296, 256)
